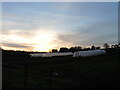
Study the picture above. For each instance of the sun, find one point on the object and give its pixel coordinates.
(42, 48)
(43, 41)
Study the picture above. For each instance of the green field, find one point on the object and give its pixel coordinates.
(19, 70)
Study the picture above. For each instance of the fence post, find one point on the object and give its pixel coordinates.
(25, 76)
(50, 78)
(9, 72)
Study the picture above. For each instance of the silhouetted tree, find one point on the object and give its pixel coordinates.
(63, 49)
(97, 47)
(116, 46)
(112, 46)
(54, 50)
(72, 49)
(106, 46)
(76, 48)
(119, 44)
(93, 47)
(87, 48)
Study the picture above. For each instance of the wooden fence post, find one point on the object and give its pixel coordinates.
(25, 76)
(9, 73)
(50, 78)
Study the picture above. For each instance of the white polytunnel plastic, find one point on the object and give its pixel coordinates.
(76, 54)
(36, 54)
(50, 54)
(89, 53)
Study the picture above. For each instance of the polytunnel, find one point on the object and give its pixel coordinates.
(89, 53)
(36, 54)
(51, 54)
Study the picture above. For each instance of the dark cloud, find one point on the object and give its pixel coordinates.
(26, 34)
(110, 38)
(95, 33)
(66, 37)
(99, 40)
(22, 33)
(71, 37)
(16, 45)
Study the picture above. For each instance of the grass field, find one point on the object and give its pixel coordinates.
(21, 71)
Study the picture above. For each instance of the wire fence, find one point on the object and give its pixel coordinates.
(18, 76)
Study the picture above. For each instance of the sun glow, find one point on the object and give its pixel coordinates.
(40, 41)
(43, 41)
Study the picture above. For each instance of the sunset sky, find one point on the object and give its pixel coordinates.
(41, 26)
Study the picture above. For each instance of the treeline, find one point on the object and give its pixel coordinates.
(79, 48)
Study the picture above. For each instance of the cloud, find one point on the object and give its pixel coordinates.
(16, 45)
(37, 19)
(87, 40)
(64, 28)
(71, 37)
(95, 33)
(19, 33)
(110, 38)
